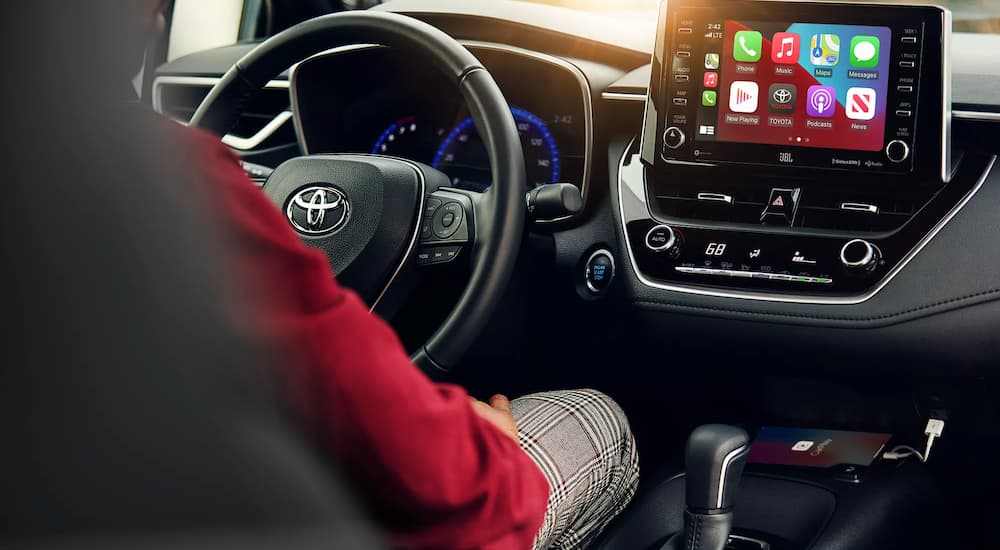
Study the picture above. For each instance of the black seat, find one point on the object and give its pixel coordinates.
(133, 412)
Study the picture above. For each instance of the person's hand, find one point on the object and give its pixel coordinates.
(497, 412)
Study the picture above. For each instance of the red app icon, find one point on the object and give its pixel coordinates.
(785, 48)
(711, 80)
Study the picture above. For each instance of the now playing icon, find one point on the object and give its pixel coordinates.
(860, 103)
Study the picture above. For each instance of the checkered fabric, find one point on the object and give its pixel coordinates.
(581, 441)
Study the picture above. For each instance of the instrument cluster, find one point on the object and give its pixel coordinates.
(381, 101)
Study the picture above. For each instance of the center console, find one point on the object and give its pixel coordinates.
(792, 151)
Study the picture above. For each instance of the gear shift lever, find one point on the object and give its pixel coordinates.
(715, 457)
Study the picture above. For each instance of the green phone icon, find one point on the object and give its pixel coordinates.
(709, 98)
(864, 51)
(747, 46)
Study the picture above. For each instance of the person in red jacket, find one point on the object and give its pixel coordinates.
(438, 468)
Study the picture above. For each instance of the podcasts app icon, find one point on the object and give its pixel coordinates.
(821, 101)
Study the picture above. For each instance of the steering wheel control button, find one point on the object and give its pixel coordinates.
(859, 255)
(673, 137)
(661, 238)
(437, 255)
(897, 150)
(600, 270)
(781, 207)
(447, 220)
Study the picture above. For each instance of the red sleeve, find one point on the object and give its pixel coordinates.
(434, 473)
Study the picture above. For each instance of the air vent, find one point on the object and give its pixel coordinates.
(855, 212)
(729, 205)
(865, 212)
(265, 123)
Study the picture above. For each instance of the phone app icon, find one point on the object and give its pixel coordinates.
(824, 49)
(781, 98)
(709, 98)
(711, 61)
(747, 46)
(860, 103)
(711, 80)
(864, 51)
(743, 96)
(785, 48)
(821, 101)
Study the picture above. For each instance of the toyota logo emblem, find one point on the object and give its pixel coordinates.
(318, 210)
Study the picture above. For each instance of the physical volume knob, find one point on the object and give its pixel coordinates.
(859, 255)
(673, 137)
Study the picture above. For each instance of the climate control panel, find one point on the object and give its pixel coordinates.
(756, 260)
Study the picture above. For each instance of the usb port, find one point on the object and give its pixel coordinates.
(682, 53)
(907, 64)
(684, 30)
(903, 113)
(904, 89)
(680, 101)
(681, 77)
(909, 40)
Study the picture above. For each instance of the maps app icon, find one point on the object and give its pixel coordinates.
(824, 49)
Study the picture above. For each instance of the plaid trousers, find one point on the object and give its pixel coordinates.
(581, 441)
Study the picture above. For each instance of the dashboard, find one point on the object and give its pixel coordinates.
(581, 85)
(395, 105)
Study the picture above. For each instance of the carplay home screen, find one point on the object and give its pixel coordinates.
(804, 84)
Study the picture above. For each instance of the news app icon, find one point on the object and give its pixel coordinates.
(860, 103)
(824, 50)
(785, 48)
(743, 96)
(821, 101)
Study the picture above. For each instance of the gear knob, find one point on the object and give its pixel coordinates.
(716, 455)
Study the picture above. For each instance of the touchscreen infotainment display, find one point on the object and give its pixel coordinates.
(807, 84)
(800, 84)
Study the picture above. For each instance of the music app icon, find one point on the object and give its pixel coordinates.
(785, 48)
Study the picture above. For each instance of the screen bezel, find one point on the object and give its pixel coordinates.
(930, 146)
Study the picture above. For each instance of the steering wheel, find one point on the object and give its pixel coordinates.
(369, 212)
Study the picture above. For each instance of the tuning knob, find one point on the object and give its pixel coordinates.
(897, 150)
(859, 255)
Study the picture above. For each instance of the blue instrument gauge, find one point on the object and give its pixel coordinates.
(463, 157)
(400, 139)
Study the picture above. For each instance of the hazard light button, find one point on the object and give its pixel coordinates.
(781, 207)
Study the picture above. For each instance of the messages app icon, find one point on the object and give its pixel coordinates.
(824, 49)
(864, 51)
(747, 46)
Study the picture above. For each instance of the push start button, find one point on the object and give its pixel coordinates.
(600, 270)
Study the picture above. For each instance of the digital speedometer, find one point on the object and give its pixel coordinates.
(462, 155)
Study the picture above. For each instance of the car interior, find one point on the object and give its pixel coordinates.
(762, 226)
